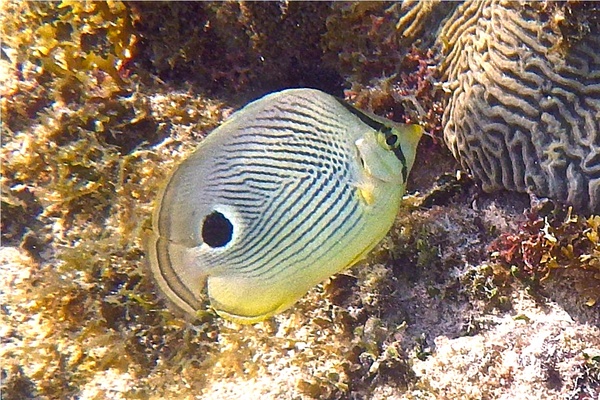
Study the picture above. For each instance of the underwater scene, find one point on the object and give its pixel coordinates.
(300, 200)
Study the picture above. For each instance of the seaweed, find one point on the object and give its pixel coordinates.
(551, 242)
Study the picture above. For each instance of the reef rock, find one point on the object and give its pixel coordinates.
(523, 112)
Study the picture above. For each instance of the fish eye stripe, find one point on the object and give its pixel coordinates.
(400, 155)
(378, 126)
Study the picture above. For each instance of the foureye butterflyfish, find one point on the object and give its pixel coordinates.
(291, 189)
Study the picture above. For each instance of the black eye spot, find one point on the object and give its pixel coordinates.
(216, 230)
(391, 140)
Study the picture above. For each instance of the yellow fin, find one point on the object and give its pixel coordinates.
(366, 193)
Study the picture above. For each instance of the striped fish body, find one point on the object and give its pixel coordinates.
(290, 190)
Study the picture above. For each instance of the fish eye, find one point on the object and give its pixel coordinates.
(216, 230)
(391, 140)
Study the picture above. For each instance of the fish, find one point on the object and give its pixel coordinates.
(291, 189)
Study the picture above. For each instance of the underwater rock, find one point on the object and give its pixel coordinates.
(235, 46)
(524, 106)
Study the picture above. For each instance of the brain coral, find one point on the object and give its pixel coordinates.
(524, 105)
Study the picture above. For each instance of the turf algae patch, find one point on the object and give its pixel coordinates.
(524, 99)
(237, 46)
(367, 40)
(63, 70)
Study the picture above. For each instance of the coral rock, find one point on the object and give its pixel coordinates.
(524, 108)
